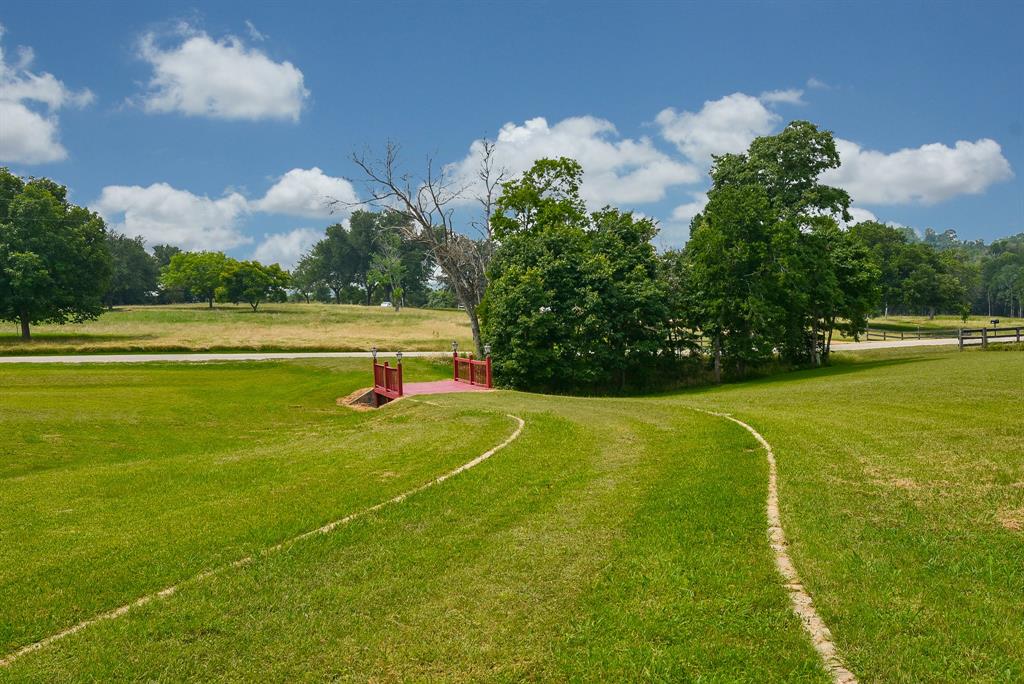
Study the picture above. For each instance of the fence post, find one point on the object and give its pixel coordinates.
(1018, 335)
(984, 338)
(960, 338)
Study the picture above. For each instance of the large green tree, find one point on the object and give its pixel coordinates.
(333, 261)
(767, 265)
(574, 300)
(54, 262)
(253, 283)
(135, 272)
(198, 273)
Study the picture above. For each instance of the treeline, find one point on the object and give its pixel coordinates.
(941, 274)
(581, 300)
(60, 264)
(369, 262)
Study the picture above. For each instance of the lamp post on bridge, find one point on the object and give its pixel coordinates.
(455, 360)
(487, 360)
(401, 383)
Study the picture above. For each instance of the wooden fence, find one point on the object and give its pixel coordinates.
(987, 335)
(918, 334)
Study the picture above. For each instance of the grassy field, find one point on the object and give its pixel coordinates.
(275, 327)
(296, 327)
(615, 539)
(912, 323)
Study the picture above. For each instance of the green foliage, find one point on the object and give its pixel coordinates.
(387, 267)
(164, 253)
(253, 283)
(198, 273)
(54, 263)
(135, 272)
(372, 253)
(574, 300)
(441, 298)
(767, 269)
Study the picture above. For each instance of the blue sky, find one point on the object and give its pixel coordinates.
(223, 125)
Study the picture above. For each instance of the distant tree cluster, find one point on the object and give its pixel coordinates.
(940, 274)
(213, 276)
(368, 262)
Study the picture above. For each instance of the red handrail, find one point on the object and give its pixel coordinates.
(470, 370)
(387, 381)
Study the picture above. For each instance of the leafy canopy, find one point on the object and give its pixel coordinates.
(54, 263)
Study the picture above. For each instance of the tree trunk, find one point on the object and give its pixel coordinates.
(26, 333)
(814, 344)
(337, 294)
(211, 301)
(718, 357)
(474, 325)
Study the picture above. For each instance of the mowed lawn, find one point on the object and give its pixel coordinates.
(227, 327)
(615, 539)
(600, 544)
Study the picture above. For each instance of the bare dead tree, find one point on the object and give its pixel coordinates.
(429, 203)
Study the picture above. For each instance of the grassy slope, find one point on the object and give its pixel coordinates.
(617, 538)
(601, 544)
(902, 489)
(320, 327)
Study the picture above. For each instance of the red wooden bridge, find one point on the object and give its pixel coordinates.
(468, 375)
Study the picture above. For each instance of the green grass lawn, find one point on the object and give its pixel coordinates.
(226, 327)
(924, 323)
(615, 539)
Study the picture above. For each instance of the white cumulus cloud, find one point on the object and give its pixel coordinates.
(616, 170)
(684, 212)
(29, 102)
(307, 192)
(790, 96)
(858, 215)
(926, 175)
(162, 213)
(166, 215)
(724, 125)
(221, 79)
(286, 248)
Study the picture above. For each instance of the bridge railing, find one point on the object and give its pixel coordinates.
(468, 369)
(387, 380)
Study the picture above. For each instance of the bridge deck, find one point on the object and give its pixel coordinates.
(440, 387)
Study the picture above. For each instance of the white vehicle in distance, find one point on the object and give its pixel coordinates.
(386, 305)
